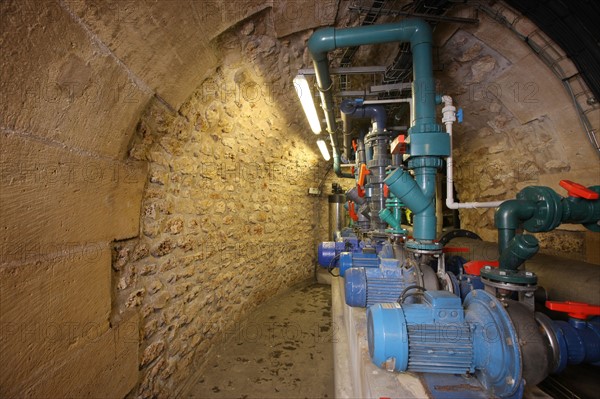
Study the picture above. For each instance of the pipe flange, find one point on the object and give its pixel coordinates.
(425, 162)
(419, 247)
(556, 362)
(548, 213)
(398, 233)
(449, 283)
(501, 278)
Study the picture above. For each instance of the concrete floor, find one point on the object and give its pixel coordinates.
(284, 350)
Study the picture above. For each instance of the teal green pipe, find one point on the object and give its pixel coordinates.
(582, 211)
(415, 31)
(424, 222)
(419, 198)
(509, 217)
(390, 219)
(521, 248)
(337, 167)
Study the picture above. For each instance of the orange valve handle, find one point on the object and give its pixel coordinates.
(576, 310)
(578, 190)
(351, 211)
(361, 179)
(386, 191)
(364, 171)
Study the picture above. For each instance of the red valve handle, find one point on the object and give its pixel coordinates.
(386, 191)
(578, 190)
(576, 310)
(364, 171)
(447, 250)
(361, 191)
(398, 145)
(474, 267)
(351, 211)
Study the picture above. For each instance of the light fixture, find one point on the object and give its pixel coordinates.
(303, 91)
(324, 151)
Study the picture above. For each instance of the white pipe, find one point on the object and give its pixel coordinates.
(391, 101)
(449, 117)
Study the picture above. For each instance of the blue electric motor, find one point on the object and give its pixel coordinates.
(368, 257)
(329, 251)
(366, 286)
(441, 335)
(357, 259)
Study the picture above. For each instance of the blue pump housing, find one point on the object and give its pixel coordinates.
(442, 336)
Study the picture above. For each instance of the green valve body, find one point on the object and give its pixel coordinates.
(537, 209)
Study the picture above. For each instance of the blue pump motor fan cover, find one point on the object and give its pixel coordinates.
(442, 336)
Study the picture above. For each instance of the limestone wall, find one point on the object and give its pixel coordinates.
(226, 217)
(520, 126)
(155, 164)
(76, 79)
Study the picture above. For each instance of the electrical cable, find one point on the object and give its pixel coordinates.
(331, 266)
(403, 295)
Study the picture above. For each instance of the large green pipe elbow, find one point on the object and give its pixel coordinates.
(509, 217)
(415, 31)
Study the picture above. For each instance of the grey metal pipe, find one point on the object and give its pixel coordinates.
(350, 110)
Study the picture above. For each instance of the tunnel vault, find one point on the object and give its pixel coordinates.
(155, 165)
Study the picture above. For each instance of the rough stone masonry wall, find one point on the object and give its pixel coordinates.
(75, 80)
(520, 127)
(226, 218)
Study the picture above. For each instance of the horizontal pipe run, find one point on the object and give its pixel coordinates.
(415, 31)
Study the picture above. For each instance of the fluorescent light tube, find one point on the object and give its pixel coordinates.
(324, 151)
(303, 91)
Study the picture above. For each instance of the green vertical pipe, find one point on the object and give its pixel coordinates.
(424, 222)
(519, 249)
(415, 31)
